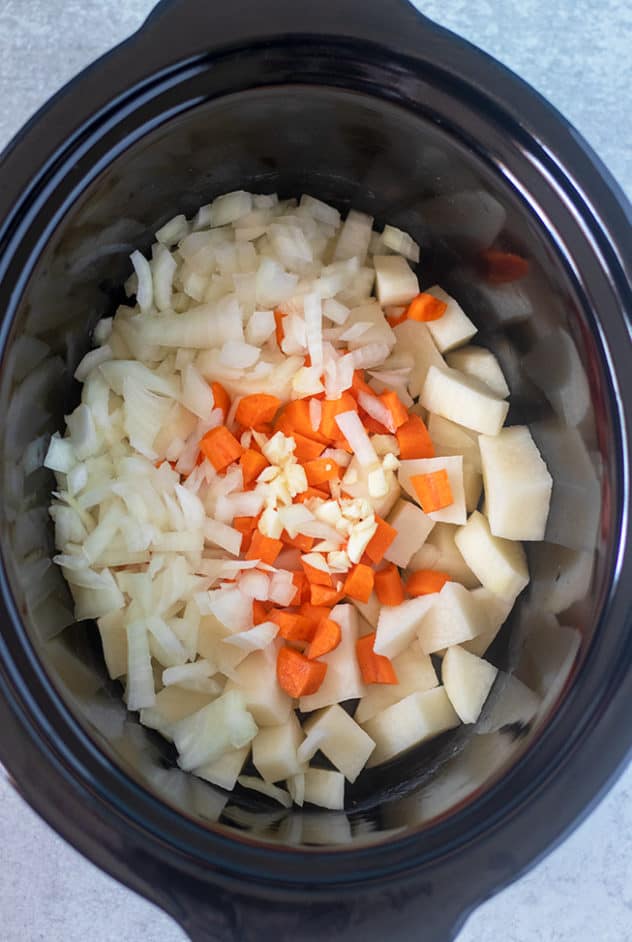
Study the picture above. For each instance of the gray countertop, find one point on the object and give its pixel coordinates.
(577, 53)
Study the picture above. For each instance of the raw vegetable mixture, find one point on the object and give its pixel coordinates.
(268, 497)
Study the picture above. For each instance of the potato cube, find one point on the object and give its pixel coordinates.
(339, 737)
(413, 720)
(500, 565)
(467, 680)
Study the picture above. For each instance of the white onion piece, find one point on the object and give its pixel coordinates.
(230, 606)
(353, 430)
(167, 640)
(313, 329)
(145, 287)
(260, 327)
(140, 677)
(293, 516)
(370, 355)
(256, 585)
(60, 455)
(238, 355)
(255, 639)
(315, 413)
(335, 311)
(182, 674)
(196, 393)
(91, 360)
(219, 534)
(321, 531)
(246, 503)
(173, 231)
(377, 410)
(163, 269)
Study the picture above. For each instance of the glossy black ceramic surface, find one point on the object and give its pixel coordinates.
(380, 109)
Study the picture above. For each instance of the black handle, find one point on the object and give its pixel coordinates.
(195, 25)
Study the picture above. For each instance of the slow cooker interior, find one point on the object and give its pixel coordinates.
(352, 150)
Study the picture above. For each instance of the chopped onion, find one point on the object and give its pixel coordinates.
(238, 355)
(91, 360)
(254, 584)
(315, 413)
(145, 288)
(140, 677)
(400, 242)
(371, 355)
(377, 410)
(255, 639)
(196, 393)
(219, 534)
(313, 329)
(352, 428)
(164, 267)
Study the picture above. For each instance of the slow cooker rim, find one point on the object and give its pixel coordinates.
(607, 182)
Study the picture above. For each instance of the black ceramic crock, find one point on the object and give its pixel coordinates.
(363, 104)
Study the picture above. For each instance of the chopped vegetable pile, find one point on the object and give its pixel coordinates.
(268, 497)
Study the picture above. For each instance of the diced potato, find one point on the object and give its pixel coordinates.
(369, 612)
(211, 634)
(449, 438)
(517, 484)
(480, 362)
(414, 673)
(354, 237)
(454, 328)
(494, 613)
(413, 720)
(561, 577)
(500, 565)
(172, 705)
(453, 465)
(225, 770)
(414, 338)
(356, 483)
(255, 679)
(513, 702)
(396, 282)
(552, 654)
(440, 552)
(463, 399)
(467, 680)
(274, 750)
(223, 725)
(413, 527)
(114, 643)
(453, 618)
(370, 313)
(339, 737)
(472, 487)
(343, 680)
(325, 788)
(398, 625)
(555, 366)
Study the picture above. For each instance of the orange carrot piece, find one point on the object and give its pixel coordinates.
(264, 548)
(257, 409)
(278, 331)
(433, 490)
(414, 439)
(395, 406)
(332, 408)
(359, 384)
(312, 493)
(375, 668)
(503, 267)
(425, 307)
(372, 425)
(426, 581)
(394, 318)
(359, 583)
(380, 541)
(307, 449)
(294, 417)
(299, 579)
(297, 675)
(321, 470)
(260, 612)
(320, 595)
(252, 464)
(246, 526)
(316, 576)
(389, 587)
(326, 638)
(220, 447)
(292, 625)
(315, 612)
(221, 399)
(299, 542)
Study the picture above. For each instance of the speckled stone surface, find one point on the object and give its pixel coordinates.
(577, 53)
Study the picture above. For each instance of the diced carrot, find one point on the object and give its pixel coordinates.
(324, 595)
(264, 548)
(299, 579)
(260, 612)
(394, 319)
(321, 470)
(375, 668)
(257, 409)
(300, 541)
(294, 417)
(252, 464)
(414, 439)
(359, 384)
(433, 490)
(380, 541)
(246, 526)
(389, 587)
(220, 447)
(221, 399)
(372, 425)
(332, 408)
(315, 612)
(278, 332)
(314, 575)
(426, 581)
(307, 449)
(292, 625)
(312, 493)
(297, 675)
(395, 406)
(326, 638)
(503, 267)
(425, 307)
(359, 582)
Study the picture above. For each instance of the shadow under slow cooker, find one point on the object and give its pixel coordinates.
(404, 168)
